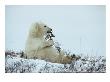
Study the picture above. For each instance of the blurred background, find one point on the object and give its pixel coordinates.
(80, 29)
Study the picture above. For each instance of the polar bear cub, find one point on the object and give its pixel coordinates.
(40, 48)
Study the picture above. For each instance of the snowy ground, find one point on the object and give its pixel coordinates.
(16, 64)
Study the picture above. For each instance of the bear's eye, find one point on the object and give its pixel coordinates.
(45, 26)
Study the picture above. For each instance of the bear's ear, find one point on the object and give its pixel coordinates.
(37, 26)
(39, 30)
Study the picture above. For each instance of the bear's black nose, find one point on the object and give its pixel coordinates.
(50, 29)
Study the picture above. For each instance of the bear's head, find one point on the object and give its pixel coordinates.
(39, 29)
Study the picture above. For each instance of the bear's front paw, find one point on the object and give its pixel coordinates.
(51, 42)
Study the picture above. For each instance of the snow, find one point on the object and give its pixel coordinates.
(15, 64)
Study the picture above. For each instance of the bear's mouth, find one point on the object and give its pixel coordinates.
(49, 31)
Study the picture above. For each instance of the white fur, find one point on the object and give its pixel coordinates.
(38, 47)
